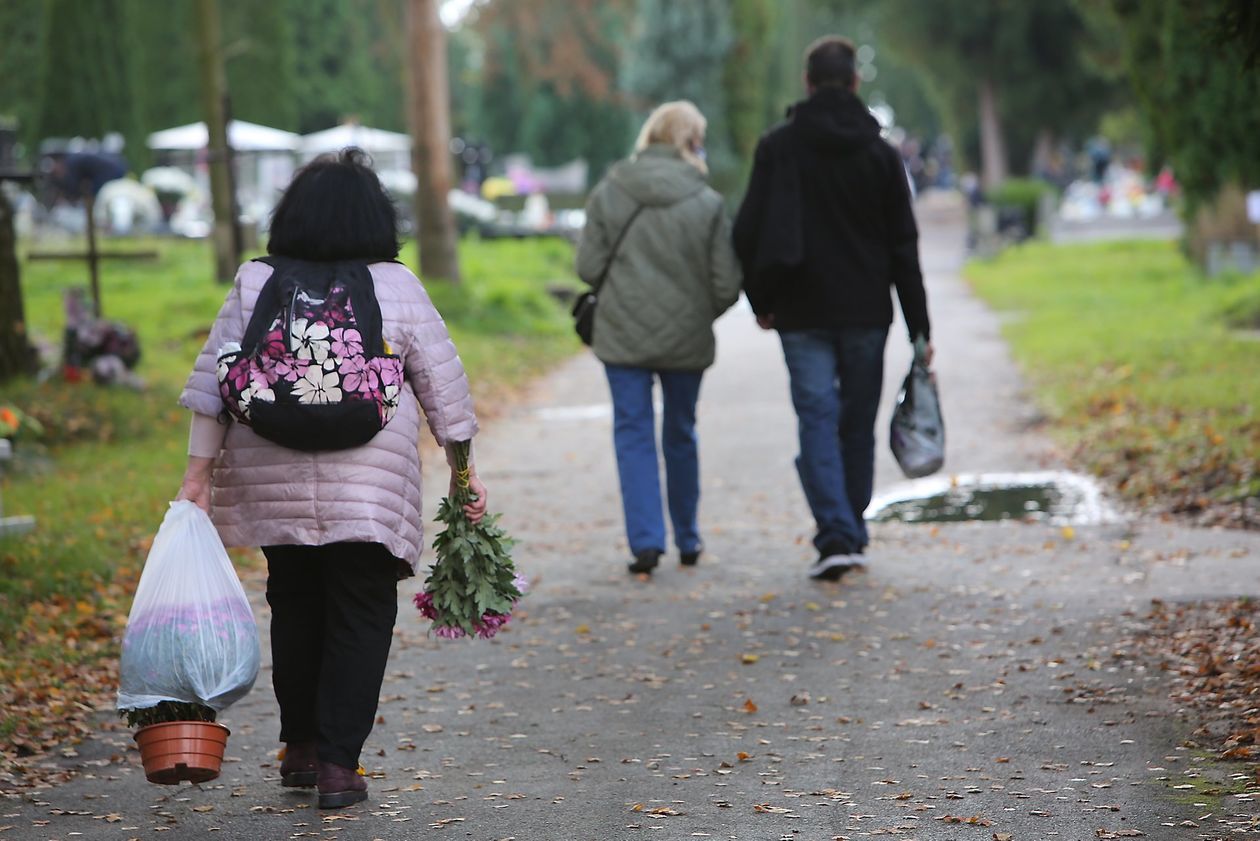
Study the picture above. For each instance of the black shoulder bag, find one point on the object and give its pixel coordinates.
(584, 306)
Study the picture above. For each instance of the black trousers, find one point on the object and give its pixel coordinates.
(332, 620)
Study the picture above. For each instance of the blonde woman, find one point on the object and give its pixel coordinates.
(656, 248)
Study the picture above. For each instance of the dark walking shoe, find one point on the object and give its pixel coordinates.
(831, 567)
(299, 765)
(833, 562)
(645, 562)
(340, 787)
(689, 559)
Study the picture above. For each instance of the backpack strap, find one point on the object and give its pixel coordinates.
(270, 301)
(357, 278)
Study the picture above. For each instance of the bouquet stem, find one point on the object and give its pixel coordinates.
(473, 586)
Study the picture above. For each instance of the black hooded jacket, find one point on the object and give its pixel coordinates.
(827, 226)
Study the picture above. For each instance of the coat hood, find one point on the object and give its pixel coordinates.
(834, 120)
(658, 176)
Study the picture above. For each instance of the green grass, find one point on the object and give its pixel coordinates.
(505, 325)
(112, 458)
(1133, 354)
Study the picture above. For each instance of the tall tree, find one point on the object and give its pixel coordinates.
(550, 79)
(747, 73)
(430, 117)
(16, 356)
(679, 51)
(348, 62)
(259, 53)
(88, 83)
(214, 98)
(166, 63)
(21, 62)
(1197, 89)
(1010, 69)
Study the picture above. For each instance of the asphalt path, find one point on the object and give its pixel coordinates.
(968, 685)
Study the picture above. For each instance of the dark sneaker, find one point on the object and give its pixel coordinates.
(689, 559)
(645, 561)
(833, 567)
(300, 766)
(340, 787)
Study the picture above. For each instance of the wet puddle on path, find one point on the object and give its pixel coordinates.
(1057, 497)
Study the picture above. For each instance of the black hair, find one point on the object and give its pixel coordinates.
(831, 62)
(335, 209)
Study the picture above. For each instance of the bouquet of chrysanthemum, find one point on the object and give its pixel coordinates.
(473, 587)
(15, 422)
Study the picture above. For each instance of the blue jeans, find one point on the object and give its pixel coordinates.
(634, 438)
(837, 376)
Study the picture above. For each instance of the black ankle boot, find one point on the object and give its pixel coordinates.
(645, 561)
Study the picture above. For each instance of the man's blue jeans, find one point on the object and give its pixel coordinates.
(634, 437)
(837, 376)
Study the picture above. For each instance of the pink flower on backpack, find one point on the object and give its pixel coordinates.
(353, 370)
(273, 344)
(391, 370)
(383, 375)
(237, 374)
(261, 382)
(290, 369)
(346, 341)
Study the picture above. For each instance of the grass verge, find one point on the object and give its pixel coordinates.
(1137, 360)
(110, 458)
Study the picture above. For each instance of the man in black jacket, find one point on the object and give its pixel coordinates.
(825, 229)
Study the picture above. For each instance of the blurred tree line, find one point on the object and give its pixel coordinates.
(86, 67)
(1195, 69)
(556, 79)
(561, 79)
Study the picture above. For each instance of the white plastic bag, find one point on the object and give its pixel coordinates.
(191, 634)
(917, 431)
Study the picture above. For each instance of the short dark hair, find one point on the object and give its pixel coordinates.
(831, 61)
(335, 209)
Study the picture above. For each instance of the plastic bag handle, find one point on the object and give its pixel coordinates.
(920, 350)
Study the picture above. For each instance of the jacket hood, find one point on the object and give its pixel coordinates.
(658, 176)
(834, 120)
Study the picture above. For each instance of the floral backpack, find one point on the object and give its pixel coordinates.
(312, 371)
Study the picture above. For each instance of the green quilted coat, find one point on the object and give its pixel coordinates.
(675, 271)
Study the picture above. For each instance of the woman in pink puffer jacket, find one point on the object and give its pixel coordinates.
(338, 528)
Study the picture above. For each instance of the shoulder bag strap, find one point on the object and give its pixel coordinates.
(612, 254)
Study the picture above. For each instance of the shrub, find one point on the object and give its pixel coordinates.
(1020, 197)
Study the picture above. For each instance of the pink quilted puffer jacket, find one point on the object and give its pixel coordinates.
(265, 494)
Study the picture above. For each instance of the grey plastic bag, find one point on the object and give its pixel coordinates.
(917, 431)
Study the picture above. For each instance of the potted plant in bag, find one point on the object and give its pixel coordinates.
(178, 741)
(189, 651)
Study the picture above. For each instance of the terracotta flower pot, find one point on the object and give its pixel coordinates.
(182, 750)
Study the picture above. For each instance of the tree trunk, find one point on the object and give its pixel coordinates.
(429, 116)
(1042, 163)
(993, 165)
(214, 109)
(16, 356)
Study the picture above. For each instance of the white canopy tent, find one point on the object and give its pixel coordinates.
(389, 149)
(243, 137)
(264, 158)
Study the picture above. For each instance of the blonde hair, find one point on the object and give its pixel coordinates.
(679, 124)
